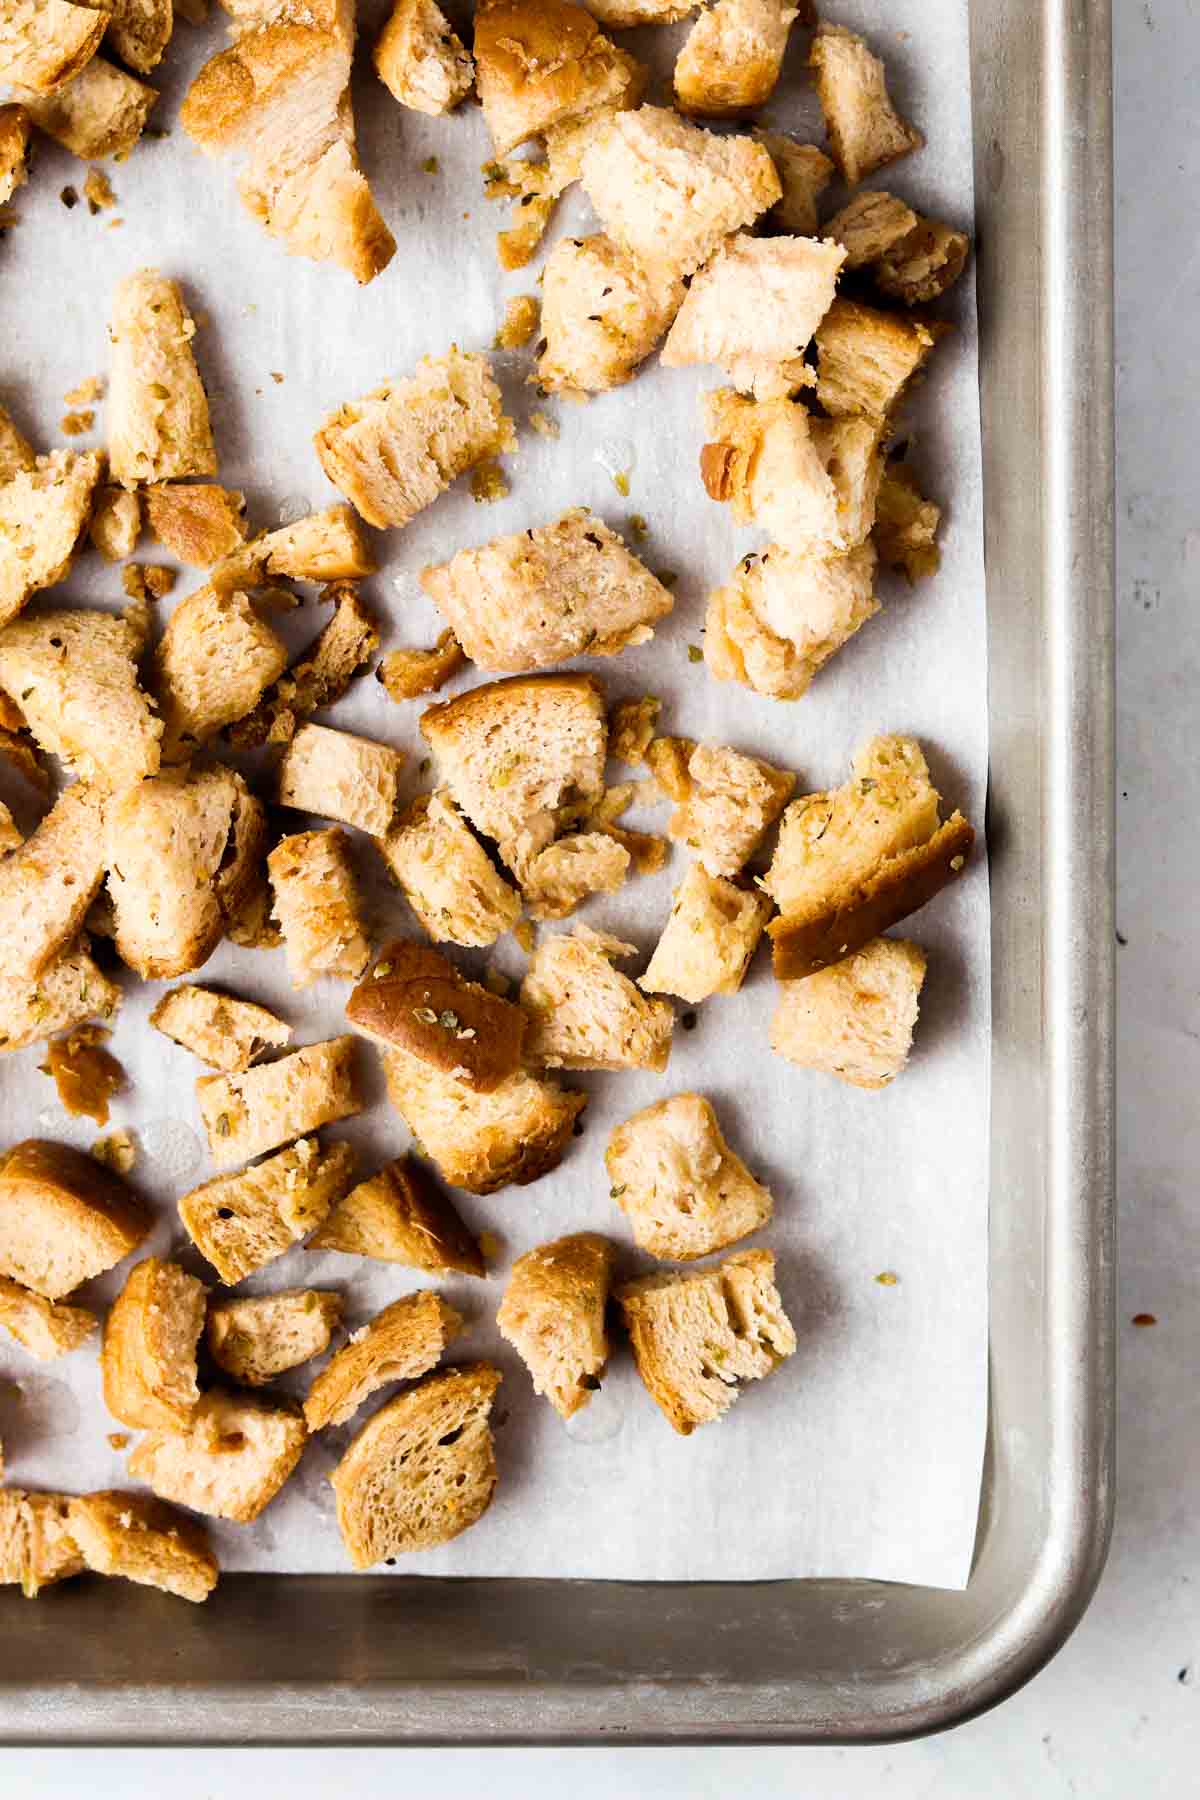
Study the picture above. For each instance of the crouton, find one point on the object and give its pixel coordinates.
(14, 170)
(116, 522)
(520, 322)
(16, 453)
(535, 187)
(407, 674)
(41, 1327)
(865, 130)
(404, 1341)
(754, 309)
(102, 112)
(784, 615)
(556, 879)
(85, 1074)
(318, 908)
(421, 1470)
(43, 514)
(399, 1216)
(320, 675)
(538, 62)
(240, 1223)
(148, 1363)
(869, 226)
(804, 173)
(906, 525)
(923, 265)
(854, 1019)
(414, 997)
(697, 1337)
(482, 1142)
(627, 13)
(603, 312)
(230, 1462)
(225, 1033)
(866, 359)
(140, 30)
(669, 192)
(631, 728)
(421, 61)
(732, 56)
(48, 884)
(553, 1316)
(393, 452)
(709, 939)
(45, 43)
(142, 1540)
(447, 876)
(264, 1107)
(182, 853)
(730, 803)
(69, 990)
(198, 523)
(585, 1014)
(542, 596)
(850, 863)
(76, 674)
(158, 424)
(11, 835)
(281, 96)
(682, 1188)
(36, 1545)
(63, 1218)
(337, 776)
(258, 1338)
(322, 546)
(250, 926)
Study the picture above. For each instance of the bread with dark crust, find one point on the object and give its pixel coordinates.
(416, 999)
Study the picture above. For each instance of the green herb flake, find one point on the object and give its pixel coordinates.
(888, 1279)
(616, 1192)
(382, 969)
(695, 653)
(222, 1125)
(430, 166)
(449, 1021)
(621, 483)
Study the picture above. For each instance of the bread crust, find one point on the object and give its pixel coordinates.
(158, 423)
(538, 62)
(414, 998)
(64, 1218)
(401, 1343)
(400, 1216)
(242, 1222)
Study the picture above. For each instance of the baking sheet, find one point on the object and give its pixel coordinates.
(861, 1456)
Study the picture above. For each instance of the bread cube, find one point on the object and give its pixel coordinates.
(48, 884)
(158, 424)
(856, 1018)
(585, 1014)
(447, 876)
(64, 1218)
(45, 43)
(709, 939)
(256, 1338)
(922, 266)
(804, 173)
(318, 907)
(116, 522)
(865, 130)
(36, 1545)
(16, 453)
(404, 1341)
(683, 1190)
(556, 879)
(76, 674)
(148, 1362)
(43, 514)
(784, 614)
(241, 1223)
(408, 674)
(421, 61)
(732, 56)
(869, 226)
(199, 523)
(247, 1114)
(906, 525)
(69, 990)
(322, 546)
(225, 1033)
(351, 779)
(603, 312)
(538, 62)
(43, 1328)
(320, 675)
(867, 358)
(727, 806)
(399, 1216)
(142, 1540)
(102, 112)
(230, 1462)
(553, 1316)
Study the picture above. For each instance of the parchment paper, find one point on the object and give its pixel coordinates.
(861, 1456)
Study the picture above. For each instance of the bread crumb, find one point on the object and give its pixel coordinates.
(488, 483)
(74, 424)
(144, 581)
(87, 391)
(117, 1151)
(69, 197)
(544, 425)
(118, 1439)
(621, 483)
(431, 166)
(84, 1073)
(525, 935)
(888, 1279)
(98, 192)
(521, 315)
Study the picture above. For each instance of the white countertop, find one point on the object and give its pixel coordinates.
(1118, 1712)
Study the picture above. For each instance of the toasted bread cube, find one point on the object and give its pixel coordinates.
(260, 1337)
(586, 1014)
(421, 61)
(101, 113)
(535, 187)
(869, 226)
(45, 43)
(404, 1341)
(732, 56)
(76, 673)
(553, 1315)
(148, 1363)
(318, 907)
(669, 192)
(36, 1545)
(539, 597)
(906, 525)
(258, 1110)
(804, 173)
(69, 990)
(414, 997)
(393, 452)
(421, 1470)
(158, 424)
(924, 264)
(627, 13)
(399, 1216)
(40, 1326)
(731, 802)
(865, 130)
(754, 308)
(182, 852)
(784, 614)
(143, 1540)
(554, 881)
(337, 776)
(14, 170)
(407, 674)
(230, 1462)
(322, 546)
(709, 939)
(631, 728)
(241, 1223)
(320, 675)
(63, 1218)
(116, 522)
(850, 863)
(16, 453)
(538, 62)
(225, 1033)
(866, 359)
(697, 1337)
(856, 1018)
(199, 523)
(447, 876)
(482, 1142)
(43, 514)
(140, 30)
(679, 1184)
(48, 884)
(603, 311)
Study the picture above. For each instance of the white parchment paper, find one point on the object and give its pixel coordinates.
(862, 1455)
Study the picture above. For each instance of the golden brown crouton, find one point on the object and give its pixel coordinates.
(116, 522)
(148, 1363)
(36, 1546)
(198, 523)
(682, 1188)
(603, 312)
(585, 1014)
(906, 525)
(865, 130)
(421, 61)
(42, 1327)
(48, 884)
(230, 1462)
(697, 1338)
(920, 267)
(709, 939)
(140, 30)
(869, 225)
(142, 1540)
(407, 674)
(225, 1033)
(158, 424)
(43, 514)
(393, 452)
(69, 990)
(319, 676)
(261, 1108)
(538, 62)
(620, 13)
(399, 1216)
(416, 998)
(102, 112)
(732, 56)
(16, 453)
(856, 1018)
(804, 173)
(257, 1338)
(447, 876)
(555, 879)
(728, 804)
(337, 776)
(631, 728)
(75, 673)
(323, 546)
(535, 187)
(866, 359)
(553, 1315)
(242, 1222)
(63, 1218)
(85, 1074)
(404, 1341)
(14, 166)
(45, 43)
(318, 907)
